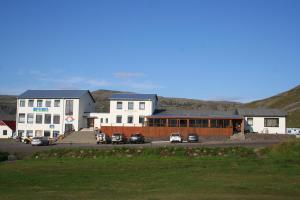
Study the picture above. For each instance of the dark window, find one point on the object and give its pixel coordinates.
(29, 133)
(271, 122)
(56, 103)
(22, 103)
(30, 103)
(39, 119)
(47, 118)
(119, 119)
(172, 122)
(106, 120)
(130, 105)
(39, 103)
(130, 119)
(183, 123)
(141, 119)
(119, 105)
(4, 132)
(101, 120)
(47, 133)
(21, 118)
(48, 103)
(56, 119)
(142, 106)
(69, 107)
(29, 118)
(213, 123)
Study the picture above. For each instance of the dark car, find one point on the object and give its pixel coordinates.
(136, 138)
(192, 137)
(40, 141)
(118, 138)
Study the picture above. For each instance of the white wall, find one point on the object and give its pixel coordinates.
(85, 104)
(125, 112)
(9, 131)
(259, 125)
(97, 119)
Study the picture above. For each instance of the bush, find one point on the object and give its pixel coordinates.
(3, 156)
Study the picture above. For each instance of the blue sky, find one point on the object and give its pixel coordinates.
(238, 50)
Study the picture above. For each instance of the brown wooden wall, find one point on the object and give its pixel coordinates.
(161, 132)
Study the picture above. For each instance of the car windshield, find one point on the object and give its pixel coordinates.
(117, 134)
(136, 135)
(175, 134)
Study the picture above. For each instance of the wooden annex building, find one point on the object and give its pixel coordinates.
(203, 123)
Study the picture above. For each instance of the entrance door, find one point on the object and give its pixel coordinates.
(90, 122)
(68, 128)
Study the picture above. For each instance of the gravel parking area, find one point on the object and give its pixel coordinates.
(13, 146)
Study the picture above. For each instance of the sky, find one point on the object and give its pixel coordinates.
(232, 50)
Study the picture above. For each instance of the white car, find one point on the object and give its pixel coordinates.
(176, 137)
(40, 141)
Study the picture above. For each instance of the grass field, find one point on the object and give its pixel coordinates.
(274, 174)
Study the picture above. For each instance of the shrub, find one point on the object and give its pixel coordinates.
(3, 156)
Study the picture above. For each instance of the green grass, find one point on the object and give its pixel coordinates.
(274, 173)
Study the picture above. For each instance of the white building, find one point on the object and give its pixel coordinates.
(263, 120)
(52, 112)
(126, 109)
(7, 128)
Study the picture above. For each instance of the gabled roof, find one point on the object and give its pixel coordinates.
(54, 94)
(133, 96)
(10, 124)
(196, 114)
(261, 112)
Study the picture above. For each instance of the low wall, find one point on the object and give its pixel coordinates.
(259, 136)
(164, 132)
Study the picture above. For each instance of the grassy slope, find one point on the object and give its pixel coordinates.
(288, 101)
(275, 175)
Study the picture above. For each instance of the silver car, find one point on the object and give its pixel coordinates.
(40, 141)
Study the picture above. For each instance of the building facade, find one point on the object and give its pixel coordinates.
(128, 110)
(7, 128)
(51, 113)
(261, 120)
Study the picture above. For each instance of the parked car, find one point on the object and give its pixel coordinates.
(118, 138)
(192, 137)
(40, 141)
(176, 137)
(137, 138)
(26, 140)
(103, 138)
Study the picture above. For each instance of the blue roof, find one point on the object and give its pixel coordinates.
(133, 96)
(54, 94)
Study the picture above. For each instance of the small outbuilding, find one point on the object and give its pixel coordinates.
(7, 128)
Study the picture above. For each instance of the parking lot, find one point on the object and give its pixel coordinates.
(13, 146)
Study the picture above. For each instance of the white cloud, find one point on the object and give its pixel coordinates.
(128, 75)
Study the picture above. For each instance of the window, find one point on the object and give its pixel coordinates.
(29, 133)
(141, 119)
(142, 106)
(250, 121)
(172, 122)
(46, 133)
(38, 133)
(101, 120)
(30, 103)
(130, 105)
(47, 118)
(39, 119)
(106, 120)
(56, 119)
(119, 105)
(48, 103)
(130, 119)
(183, 123)
(56, 103)
(203, 123)
(119, 119)
(69, 107)
(22, 103)
(271, 122)
(30, 118)
(39, 103)
(21, 133)
(4, 132)
(21, 118)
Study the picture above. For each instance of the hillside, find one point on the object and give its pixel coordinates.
(288, 101)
